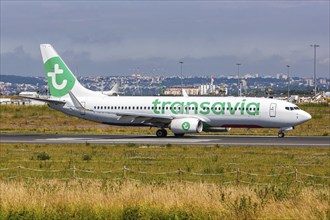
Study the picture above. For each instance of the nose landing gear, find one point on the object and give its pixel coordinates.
(281, 133)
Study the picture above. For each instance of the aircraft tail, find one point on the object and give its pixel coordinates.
(115, 88)
(60, 79)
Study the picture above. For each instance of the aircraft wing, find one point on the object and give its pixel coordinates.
(50, 101)
(145, 118)
(152, 119)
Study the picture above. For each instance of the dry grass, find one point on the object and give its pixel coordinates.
(103, 200)
(41, 195)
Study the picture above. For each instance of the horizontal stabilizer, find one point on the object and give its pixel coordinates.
(51, 101)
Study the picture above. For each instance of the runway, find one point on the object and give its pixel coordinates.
(221, 140)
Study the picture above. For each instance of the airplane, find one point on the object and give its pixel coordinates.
(182, 114)
(113, 92)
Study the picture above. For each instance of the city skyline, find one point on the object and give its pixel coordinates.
(123, 38)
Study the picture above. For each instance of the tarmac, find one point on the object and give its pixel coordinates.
(209, 140)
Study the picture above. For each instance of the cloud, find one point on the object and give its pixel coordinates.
(107, 35)
(19, 62)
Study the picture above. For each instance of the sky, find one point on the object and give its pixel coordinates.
(114, 38)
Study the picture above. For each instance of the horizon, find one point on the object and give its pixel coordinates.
(242, 76)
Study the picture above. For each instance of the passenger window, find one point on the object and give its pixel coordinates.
(291, 108)
(287, 108)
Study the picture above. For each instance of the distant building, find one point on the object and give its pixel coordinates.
(5, 101)
(206, 89)
(323, 81)
(309, 82)
(29, 94)
(177, 91)
(281, 76)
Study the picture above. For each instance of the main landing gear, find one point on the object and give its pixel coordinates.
(280, 134)
(161, 133)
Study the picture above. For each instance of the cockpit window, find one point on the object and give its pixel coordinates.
(292, 108)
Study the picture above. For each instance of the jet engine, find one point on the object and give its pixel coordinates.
(186, 125)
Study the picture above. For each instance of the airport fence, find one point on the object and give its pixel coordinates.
(234, 177)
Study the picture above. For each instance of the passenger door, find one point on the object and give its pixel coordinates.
(272, 110)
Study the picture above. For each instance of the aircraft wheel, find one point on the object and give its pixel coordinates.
(179, 135)
(161, 133)
(281, 134)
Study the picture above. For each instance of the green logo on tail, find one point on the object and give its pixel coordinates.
(60, 78)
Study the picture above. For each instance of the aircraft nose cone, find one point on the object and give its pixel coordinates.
(305, 116)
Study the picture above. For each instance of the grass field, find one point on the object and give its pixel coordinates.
(206, 187)
(153, 159)
(42, 119)
(87, 181)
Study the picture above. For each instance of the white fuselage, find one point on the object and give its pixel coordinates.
(213, 111)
